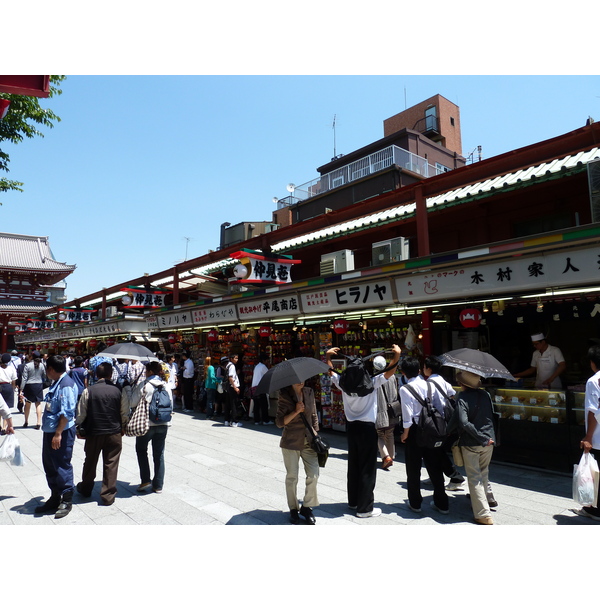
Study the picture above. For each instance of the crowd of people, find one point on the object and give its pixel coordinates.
(93, 398)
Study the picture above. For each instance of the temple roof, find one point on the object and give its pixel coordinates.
(23, 307)
(30, 253)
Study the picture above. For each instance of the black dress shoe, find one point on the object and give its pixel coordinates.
(294, 517)
(307, 513)
(80, 490)
(64, 508)
(50, 506)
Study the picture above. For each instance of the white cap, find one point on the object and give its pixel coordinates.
(379, 363)
(538, 337)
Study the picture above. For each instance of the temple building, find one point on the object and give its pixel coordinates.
(31, 281)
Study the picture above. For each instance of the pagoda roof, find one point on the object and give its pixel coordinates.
(23, 307)
(30, 253)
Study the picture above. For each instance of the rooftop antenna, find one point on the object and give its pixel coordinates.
(187, 241)
(333, 127)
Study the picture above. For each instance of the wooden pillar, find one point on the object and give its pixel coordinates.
(4, 341)
(422, 223)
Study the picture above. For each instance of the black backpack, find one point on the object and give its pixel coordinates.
(355, 380)
(430, 428)
(160, 408)
(449, 406)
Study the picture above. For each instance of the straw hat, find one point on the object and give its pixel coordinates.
(468, 379)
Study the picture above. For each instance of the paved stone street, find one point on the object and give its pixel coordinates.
(218, 475)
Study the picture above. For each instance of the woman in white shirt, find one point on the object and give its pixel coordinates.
(8, 382)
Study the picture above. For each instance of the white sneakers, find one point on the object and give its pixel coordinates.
(374, 513)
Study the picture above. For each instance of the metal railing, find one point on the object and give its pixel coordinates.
(382, 159)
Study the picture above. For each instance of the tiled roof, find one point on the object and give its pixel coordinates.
(23, 306)
(556, 168)
(28, 252)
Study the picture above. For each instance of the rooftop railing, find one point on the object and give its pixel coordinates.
(382, 159)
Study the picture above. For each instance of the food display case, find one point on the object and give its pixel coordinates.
(534, 427)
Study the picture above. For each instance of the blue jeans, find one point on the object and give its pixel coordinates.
(157, 434)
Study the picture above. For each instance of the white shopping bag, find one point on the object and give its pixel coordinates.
(586, 478)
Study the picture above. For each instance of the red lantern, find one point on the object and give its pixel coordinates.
(93, 343)
(470, 317)
(264, 331)
(213, 335)
(172, 338)
(341, 326)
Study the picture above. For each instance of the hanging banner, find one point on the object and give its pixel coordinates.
(470, 318)
(75, 315)
(348, 298)
(259, 268)
(285, 306)
(143, 298)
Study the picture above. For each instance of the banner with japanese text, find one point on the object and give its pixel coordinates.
(506, 276)
(214, 314)
(265, 308)
(348, 298)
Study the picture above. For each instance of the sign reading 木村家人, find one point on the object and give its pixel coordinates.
(348, 298)
(576, 267)
(268, 308)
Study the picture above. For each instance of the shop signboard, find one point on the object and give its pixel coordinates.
(348, 298)
(174, 320)
(214, 314)
(506, 276)
(152, 323)
(258, 268)
(282, 306)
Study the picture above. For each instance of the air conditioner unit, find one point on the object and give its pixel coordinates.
(389, 251)
(111, 311)
(337, 262)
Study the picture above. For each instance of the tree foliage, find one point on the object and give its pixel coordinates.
(22, 121)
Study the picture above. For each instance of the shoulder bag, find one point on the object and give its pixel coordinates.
(318, 443)
(139, 422)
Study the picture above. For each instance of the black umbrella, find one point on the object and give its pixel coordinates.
(295, 370)
(476, 361)
(128, 350)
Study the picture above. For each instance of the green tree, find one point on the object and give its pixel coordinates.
(24, 116)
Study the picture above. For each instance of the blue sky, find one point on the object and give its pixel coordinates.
(138, 163)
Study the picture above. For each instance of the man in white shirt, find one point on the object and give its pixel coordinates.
(361, 414)
(188, 383)
(431, 370)
(261, 402)
(591, 441)
(232, 393)
(547, 363)
(414, 453)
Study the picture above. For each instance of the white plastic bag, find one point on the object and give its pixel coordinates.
(7, 448)
(586, 477)
(10, 451)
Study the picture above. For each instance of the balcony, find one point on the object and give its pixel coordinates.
(382, 159)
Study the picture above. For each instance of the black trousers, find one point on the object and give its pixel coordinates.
(433, 459)
(261, 408)
(188, 393)
(231, 405)
(362, 465)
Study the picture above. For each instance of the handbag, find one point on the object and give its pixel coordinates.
(457, 456)
(139, 421)
(394, 408)
(318, 443)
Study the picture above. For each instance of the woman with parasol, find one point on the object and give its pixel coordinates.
(296, 412)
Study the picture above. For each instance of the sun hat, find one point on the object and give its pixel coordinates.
(468, 379)
(379, 363)
(5, 358)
